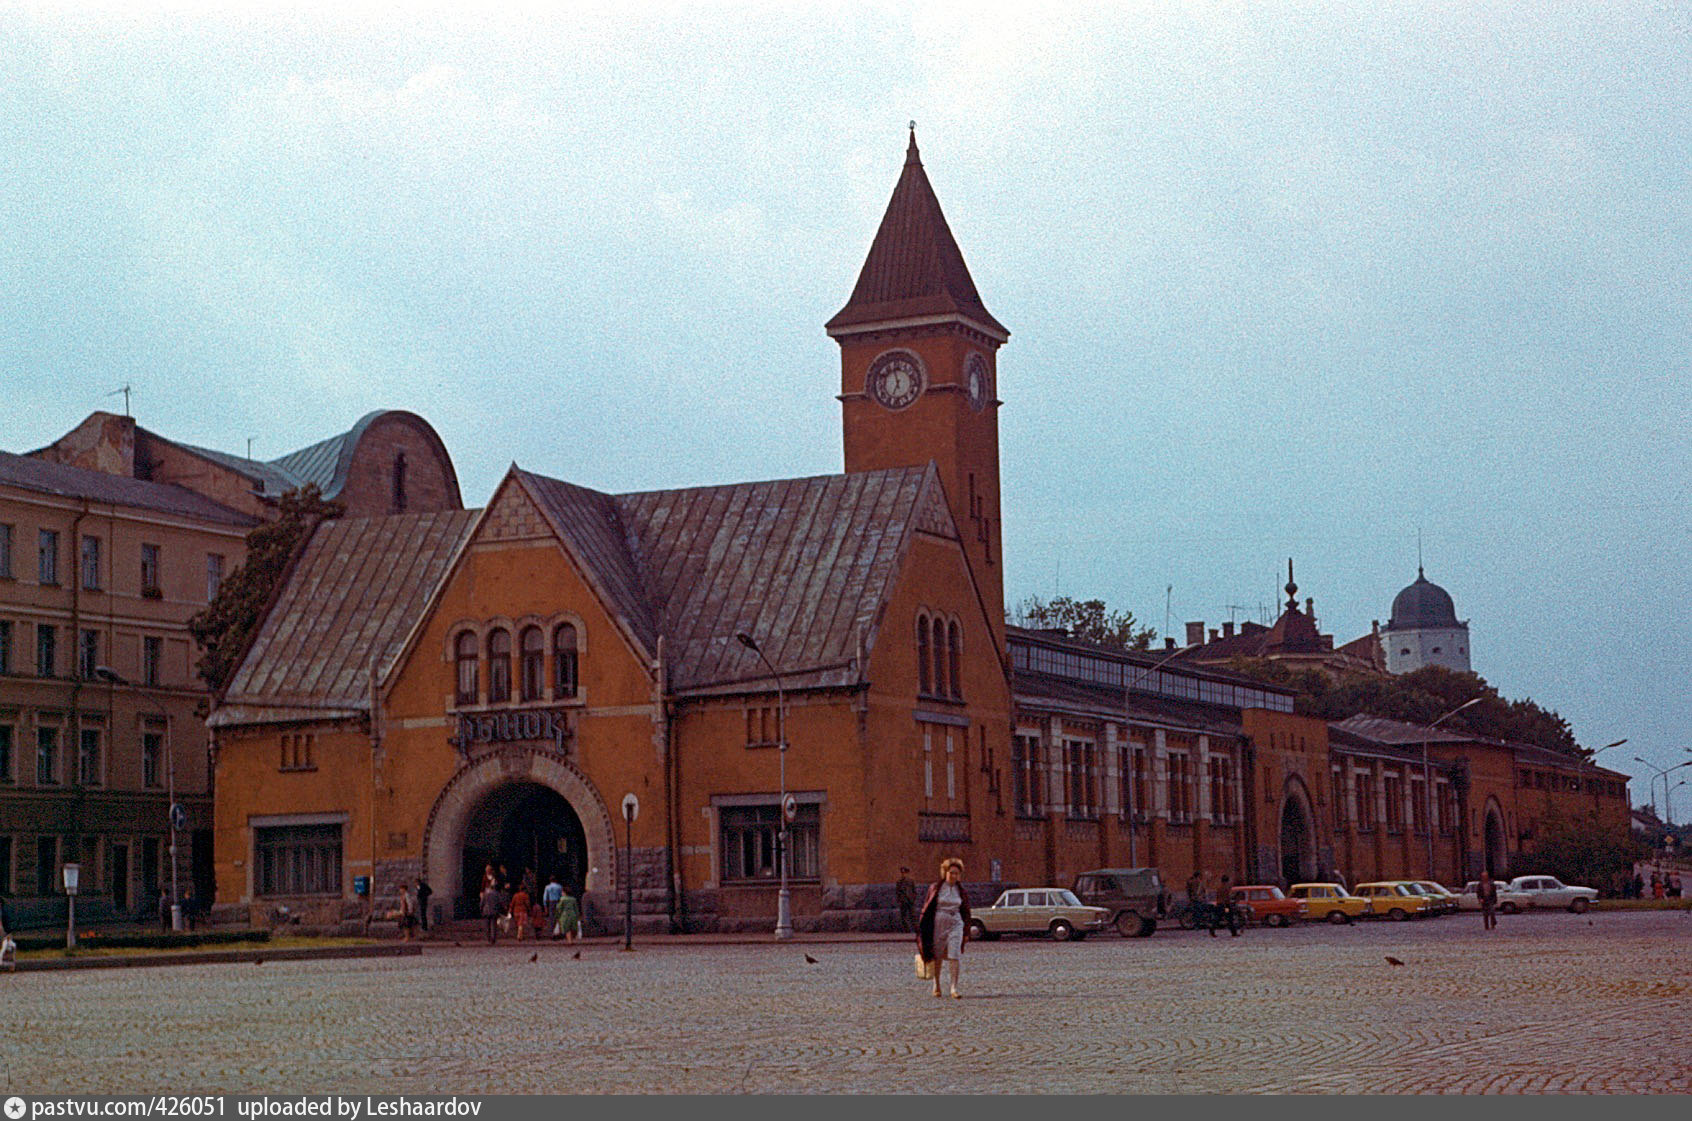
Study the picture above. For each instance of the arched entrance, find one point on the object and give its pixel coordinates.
(1298, 849)
(522, 827)
(525, 809)
(1495, 855)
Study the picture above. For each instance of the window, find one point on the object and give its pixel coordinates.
(150, 572)
(297, 860)
(1445, 806)
(1080, 757)
(152, 751)
(954, 651)
(1025, 775)
(750, 838)
(499, 666)
(1336, 797)
(1142, 782)
(91, 563)
(1394, 786)
(46, 650)
(564, 664)
(7, 773)
(937, 644)
(5, 865)
(464, 653)
(87, 654)
(298, 751)
(214, 575)
(925, 679)
(47, 881)
(761, 726)
(533, 665)
(1365, 800)
(1222, 808)
(399, 483)
(1180, 789)
(46, 757)
(1418, 805)
(152, 653)
(5, 646)
(88, 757)
(47, 557)
(5, 551)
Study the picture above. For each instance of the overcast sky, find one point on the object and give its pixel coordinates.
(1282, 279)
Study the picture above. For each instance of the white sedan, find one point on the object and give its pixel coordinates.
(1508, 901)
(1547, 891)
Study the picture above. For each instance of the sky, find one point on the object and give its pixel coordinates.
(1283, 280)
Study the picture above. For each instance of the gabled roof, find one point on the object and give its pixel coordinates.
(46, 477)
(914, 268)
(350, 600)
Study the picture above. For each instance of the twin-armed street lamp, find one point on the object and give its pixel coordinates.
(175, 814)
(784, 901)
(1427, 779)
(1662, 773)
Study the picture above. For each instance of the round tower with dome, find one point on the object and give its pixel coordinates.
(1424, 630)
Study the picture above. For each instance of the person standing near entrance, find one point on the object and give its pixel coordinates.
(407, 915)
(944, 922)
(423, 894)
(566, 918)
(550, 895)
(905, 893)
(491, 911)
(1486, 894)
(520, 912)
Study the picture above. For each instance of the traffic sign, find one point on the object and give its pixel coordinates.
(631, 807)
(178, 816)
(790, 808)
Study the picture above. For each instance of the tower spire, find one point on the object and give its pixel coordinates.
(1292, 588)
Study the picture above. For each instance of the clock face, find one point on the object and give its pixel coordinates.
(896, 379)
(977, 382)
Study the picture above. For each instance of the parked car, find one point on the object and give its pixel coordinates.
(1038, 910)
(1445, 900)
(1131, 895)
(1331, 902)
(1508, 901)
(1268, 904)
(1394, 900)
(1549, 891)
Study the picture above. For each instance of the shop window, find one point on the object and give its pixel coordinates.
(750, 840)
(464, 654)
(297, 860)
(532, 676)
(565, 666)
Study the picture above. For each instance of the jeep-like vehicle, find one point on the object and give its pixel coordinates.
(1133, 896)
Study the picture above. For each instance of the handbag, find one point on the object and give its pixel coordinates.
(926, 970)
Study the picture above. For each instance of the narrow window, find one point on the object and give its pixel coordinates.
(951, 770)
(46, 757)
(927, 761)
(499, 666)
(954, 656)
(87, 654)
(46, 650)
(152, 751)
(47, 557)
(938, 645)
(533, 677)
(5, 551)
(564, 665)
(6, 771)
(88, 757)
(152, 654)
(150, 571)
(925, 681)
(5, 646)
(464, 653)
(214, 575)
(399, 483)
(91, 564)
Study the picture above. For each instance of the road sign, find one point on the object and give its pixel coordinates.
(631, 807)
(178, 816)
(790, 808)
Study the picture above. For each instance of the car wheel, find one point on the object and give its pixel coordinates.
(1397, 914)
(1337, 918)
(1276, 920)
(977, 932)
(1148, 927)
(1184, 918)
(1129, 924)
(1579, 906)
(1061, 930)
(1508, 908)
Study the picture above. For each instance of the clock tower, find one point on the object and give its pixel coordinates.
(919, 372)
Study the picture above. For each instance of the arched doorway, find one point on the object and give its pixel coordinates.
(522, 827)
(1298, 850)
(1495, 854)
(522, 806)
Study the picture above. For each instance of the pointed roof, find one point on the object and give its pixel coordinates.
(914, 268)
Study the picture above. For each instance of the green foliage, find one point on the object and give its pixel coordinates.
(96, 940)
(1581, 851)
(1418, 698)
(1088, 620)
(228, 622)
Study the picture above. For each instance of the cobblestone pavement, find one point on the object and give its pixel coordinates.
(1550, 1003)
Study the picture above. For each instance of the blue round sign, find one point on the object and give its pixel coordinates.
(178, 816)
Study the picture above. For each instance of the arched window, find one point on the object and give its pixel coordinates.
(499, 666)
(564, 665)
(938, 645)
(464, 653)
(954, 652)
(924, 681)
(532, 679)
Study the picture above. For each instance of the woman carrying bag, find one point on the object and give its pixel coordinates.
(943, 924)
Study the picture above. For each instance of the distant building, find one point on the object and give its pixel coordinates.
(1424, 630)
(1293, 640)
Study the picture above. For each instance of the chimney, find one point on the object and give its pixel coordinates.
(1228, 629)
(1310, 606)
(1213, 634)
(1195, 633)
(1168, 643)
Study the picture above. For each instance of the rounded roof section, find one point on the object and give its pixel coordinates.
(1422, 604)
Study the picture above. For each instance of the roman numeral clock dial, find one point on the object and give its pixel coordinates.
(896, 379)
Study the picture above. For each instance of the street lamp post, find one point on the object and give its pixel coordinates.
(1427, 779)
(1129, 685)
(1607, 747)
(1661, 773)
(73, 879)
(1668, 800)
(112, 677)
(784, 900)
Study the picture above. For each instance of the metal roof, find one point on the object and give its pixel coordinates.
(45, 477)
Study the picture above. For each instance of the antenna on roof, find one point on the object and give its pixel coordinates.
(123, 389)
(249, 448)
(1418, 551)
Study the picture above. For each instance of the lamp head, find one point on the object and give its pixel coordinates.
(109, 675)
(746, 640)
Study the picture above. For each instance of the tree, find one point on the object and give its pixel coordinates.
(1581, 851)
(1088, 620)
(227, 624)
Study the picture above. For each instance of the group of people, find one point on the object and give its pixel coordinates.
(1214, 910)
(1663, 885)
(518, 911)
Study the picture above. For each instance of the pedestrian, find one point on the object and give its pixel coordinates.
(164, 910)
(423, 894)
(1638, 886)
(1486, 894)
(491, 908)
(944, 922)
(1224, 910)
(566, 918)
(1657, 886)
(190, 908)
(905, 893)
(408, 915)
(520, 912)
(1674, 885)
(1195, 889)
(488, 877)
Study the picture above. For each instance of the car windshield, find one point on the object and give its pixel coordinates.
(1064, 898)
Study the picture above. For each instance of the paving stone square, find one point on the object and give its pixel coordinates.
(1551, 1003)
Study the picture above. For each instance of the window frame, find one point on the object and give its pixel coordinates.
(499, 666)
(90, 563)
(751, 829)
(531, 664)
(47, 558)
(152, 576)
(466, 659)
(566, 661)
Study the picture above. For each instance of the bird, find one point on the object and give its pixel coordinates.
(809, 960)
(458, 943)
(577, 956)
(258, 961)
(534, 957)
(1393, 961)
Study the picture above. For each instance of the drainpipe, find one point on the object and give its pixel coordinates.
(375, 747)
(672, 784)
(73, 749)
